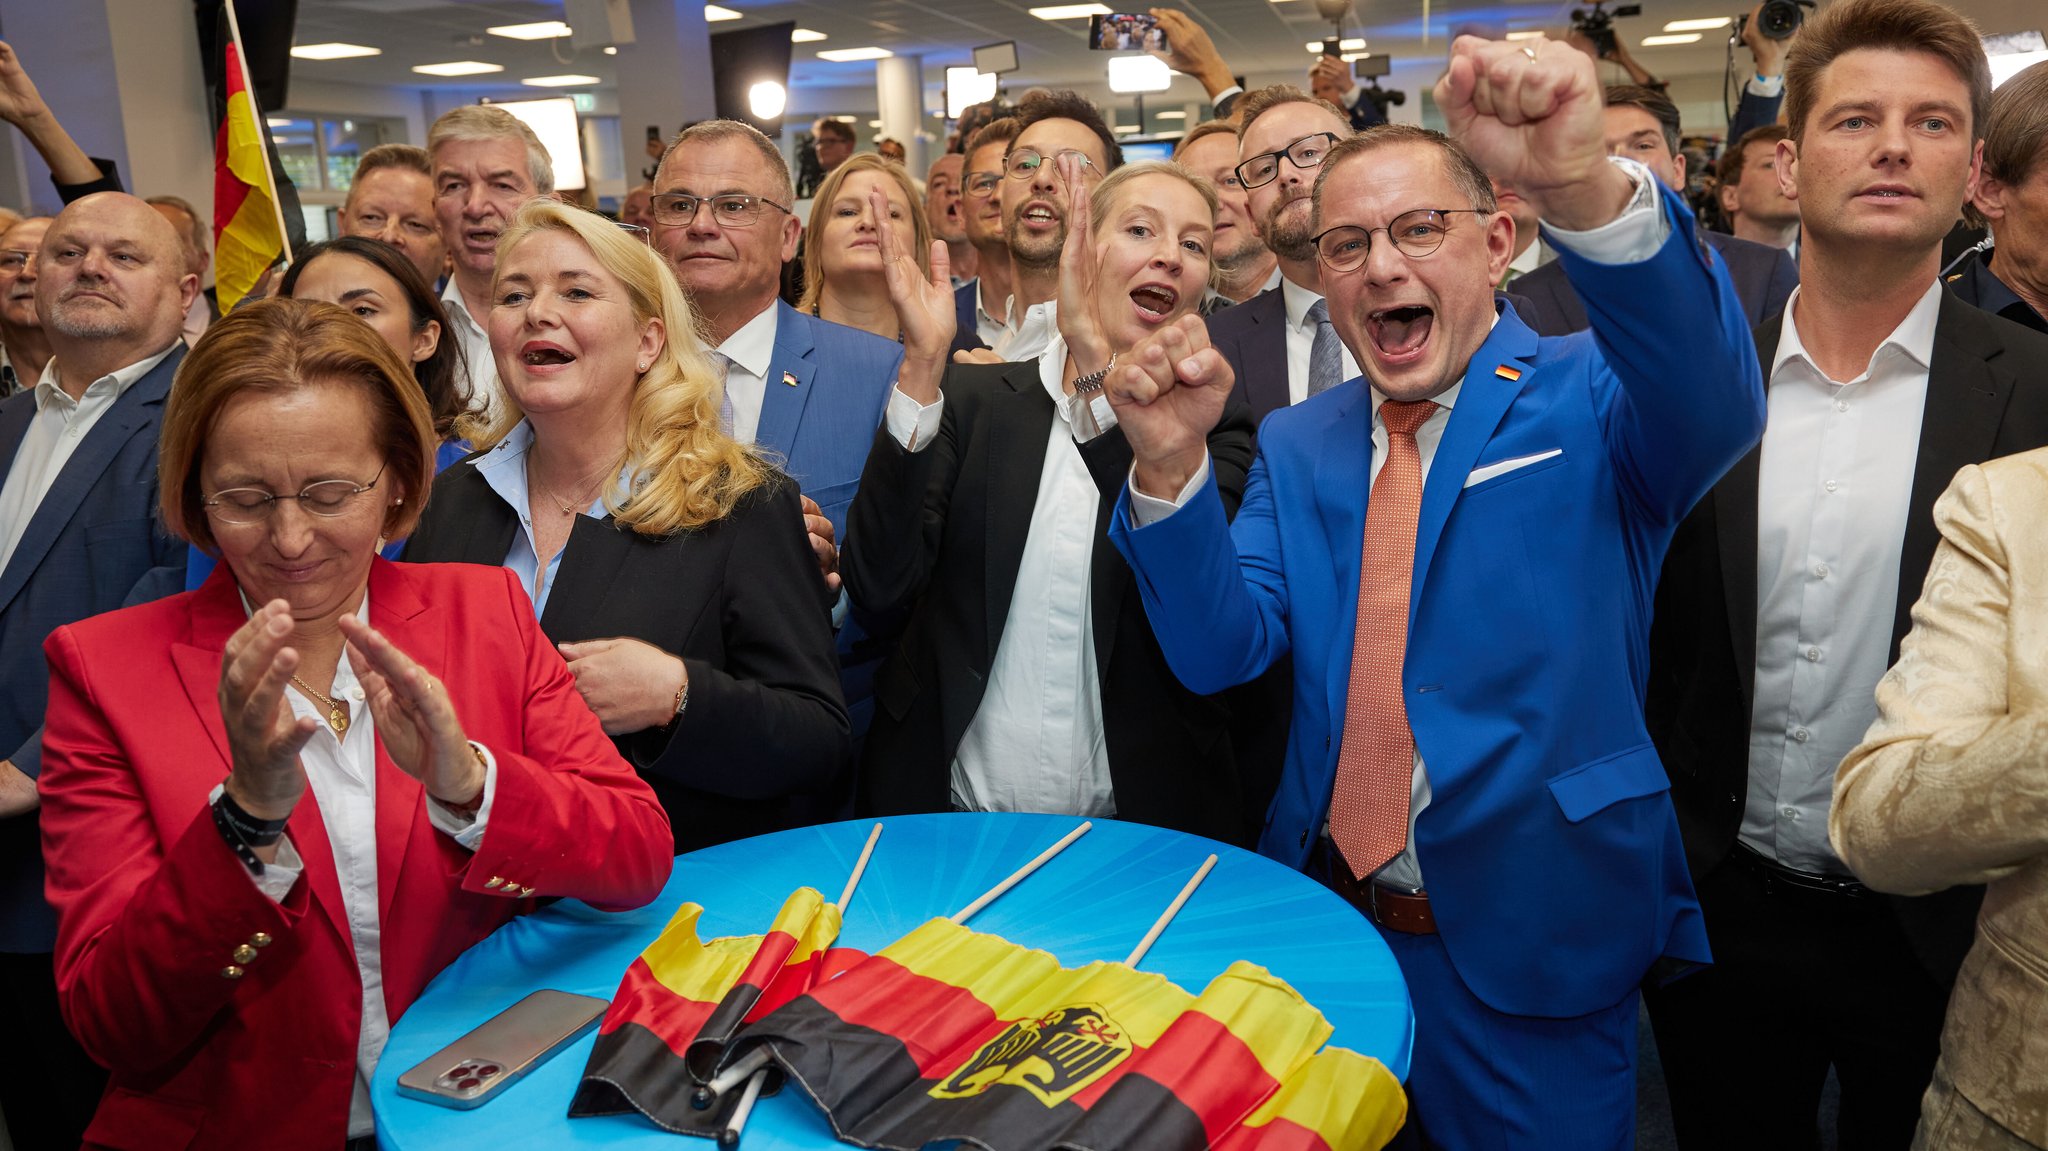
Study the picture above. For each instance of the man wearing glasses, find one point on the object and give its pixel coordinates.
(1035, 204)
(979, 305)
(1280, 344)
(24, 349)
(78, 532)
(1459, 551)
(809, 390)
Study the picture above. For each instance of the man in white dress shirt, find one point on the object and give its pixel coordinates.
(487, 163)
(78, 531)
(1035, 210)
(1788, 589)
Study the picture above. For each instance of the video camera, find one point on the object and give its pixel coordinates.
(1776, 20)
(1597, 23)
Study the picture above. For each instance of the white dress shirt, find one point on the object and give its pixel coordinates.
(1036, 743)
(1301, 340)
(992, 326)
(469, 331)
(54, 433)
(342, 771)
(1034, 334)
(748, 353)
(1832, 493)
(1633, 236)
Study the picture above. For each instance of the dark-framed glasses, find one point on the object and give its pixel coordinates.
(981, 185)
(1307, 152)
(1024, 162)
(328, 498)
(1413, 234)
(730, 210)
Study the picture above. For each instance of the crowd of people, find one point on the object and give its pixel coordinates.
(1617, 612)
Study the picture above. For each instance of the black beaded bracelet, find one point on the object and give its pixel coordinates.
(225, 825)
(253, 831)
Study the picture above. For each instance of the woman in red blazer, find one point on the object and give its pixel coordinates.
(275, 807)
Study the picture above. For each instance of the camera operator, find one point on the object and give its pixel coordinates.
(1331, 79)
(1763, 92)
(1584, 37)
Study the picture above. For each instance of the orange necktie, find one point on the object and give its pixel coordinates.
(1376, 759)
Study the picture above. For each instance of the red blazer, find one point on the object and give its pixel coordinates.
(152, 906)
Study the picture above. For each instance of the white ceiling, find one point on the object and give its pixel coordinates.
(1262, 38)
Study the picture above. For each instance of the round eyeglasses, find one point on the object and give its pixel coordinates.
(731, 210)
(1024, 162)
(1413, 234)
(1307, 152)
(982, 185)
(328, 498)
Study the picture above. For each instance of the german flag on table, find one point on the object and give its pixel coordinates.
(951, 1034)
(682, 1000)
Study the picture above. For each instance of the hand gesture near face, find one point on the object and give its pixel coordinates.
(924, 304)
(1079, 325)
(1168, 393)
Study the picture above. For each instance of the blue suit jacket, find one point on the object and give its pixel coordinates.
(966, 324)
(1550, 847)
(92, 539)
(827, 387)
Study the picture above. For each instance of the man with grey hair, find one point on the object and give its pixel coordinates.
(78, 532)
(807, 389)
(486, 163)
(2012, 198)
(193, 232)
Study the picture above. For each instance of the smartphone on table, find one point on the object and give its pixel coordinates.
(474, 1069)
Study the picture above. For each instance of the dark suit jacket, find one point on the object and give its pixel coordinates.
(936, 538)
(92, 539)
(1751, 112)
(966, 332)
(1764, 278)
(1252, 338)
(1987, 396)
(763, 744)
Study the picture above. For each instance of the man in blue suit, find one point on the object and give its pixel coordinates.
(1458, 551)
(806, 390)
(78, 531)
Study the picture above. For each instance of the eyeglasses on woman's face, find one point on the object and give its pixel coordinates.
(328, 498)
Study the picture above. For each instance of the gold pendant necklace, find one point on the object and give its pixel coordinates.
(336, 717)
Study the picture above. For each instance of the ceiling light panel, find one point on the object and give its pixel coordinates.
(458, 68)
(544, 30)
(848, 55)
(334, 51)
(566, 81)
(1071, 11)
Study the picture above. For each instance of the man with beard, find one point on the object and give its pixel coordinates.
(1756, 207)
(946, 211)
(78, 531)
(486, 163)
(1035, 207)
(1789, 588)
(24, 349)
(1280, 344)
(981, 305)
(1243, 265)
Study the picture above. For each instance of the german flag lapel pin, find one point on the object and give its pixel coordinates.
(789, 379)
(1508, 372)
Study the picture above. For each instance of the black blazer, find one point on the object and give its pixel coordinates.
(1987, 396)
(764, 743)
(934, 539)
(1252, 337)
(1764, 278)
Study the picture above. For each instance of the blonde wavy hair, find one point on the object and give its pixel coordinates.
(688, 472)
(828, 191)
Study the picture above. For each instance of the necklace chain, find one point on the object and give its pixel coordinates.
(337, 718)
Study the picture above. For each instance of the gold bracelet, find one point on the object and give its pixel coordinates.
(682, 701)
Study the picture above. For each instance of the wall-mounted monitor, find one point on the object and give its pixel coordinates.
(996, 59)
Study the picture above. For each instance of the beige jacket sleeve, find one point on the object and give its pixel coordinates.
(1950, 785)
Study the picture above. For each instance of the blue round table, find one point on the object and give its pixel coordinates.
(1092, 901)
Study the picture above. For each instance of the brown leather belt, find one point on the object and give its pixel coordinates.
(1391, 909)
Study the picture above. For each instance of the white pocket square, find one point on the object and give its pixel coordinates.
(1502, 467)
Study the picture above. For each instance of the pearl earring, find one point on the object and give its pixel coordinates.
(641, 367)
